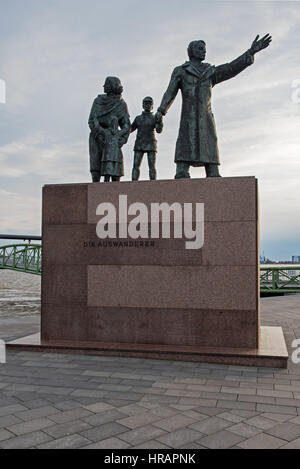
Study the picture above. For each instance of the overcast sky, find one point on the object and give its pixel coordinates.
(55, 55)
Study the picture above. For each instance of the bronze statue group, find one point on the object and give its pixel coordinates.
(197, 144)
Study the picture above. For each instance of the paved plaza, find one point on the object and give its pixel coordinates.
(77, 401)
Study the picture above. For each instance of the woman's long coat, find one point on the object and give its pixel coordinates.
(197, 143)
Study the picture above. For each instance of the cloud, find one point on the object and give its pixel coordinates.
(47, 160)
(25, 217)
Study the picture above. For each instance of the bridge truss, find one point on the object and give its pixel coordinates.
(25, 258)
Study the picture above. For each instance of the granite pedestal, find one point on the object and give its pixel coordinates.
(155, 298)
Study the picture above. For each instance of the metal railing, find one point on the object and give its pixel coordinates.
(20, 237)
(280, 279)
(25, 258)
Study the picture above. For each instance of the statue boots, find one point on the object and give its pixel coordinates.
(96, 176)
(183, 171)
(212, 171)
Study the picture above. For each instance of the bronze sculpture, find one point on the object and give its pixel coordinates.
(146, 124)
(108, 113)
(197, 144)
(112, 164)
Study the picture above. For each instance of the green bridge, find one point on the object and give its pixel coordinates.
(28, 258)
(22, 258)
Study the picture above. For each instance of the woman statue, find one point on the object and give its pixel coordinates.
(110, 124)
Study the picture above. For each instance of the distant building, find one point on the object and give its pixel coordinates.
(262, 259)
(296, 259)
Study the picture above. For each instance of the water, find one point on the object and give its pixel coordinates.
(20, 294)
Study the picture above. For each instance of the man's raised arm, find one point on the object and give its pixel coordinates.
(230, 70)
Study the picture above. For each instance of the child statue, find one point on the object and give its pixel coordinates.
(112, 163)
(146, 124)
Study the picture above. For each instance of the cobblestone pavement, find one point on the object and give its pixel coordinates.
(74, 401)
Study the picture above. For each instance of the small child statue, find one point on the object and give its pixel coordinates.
(146, 124)
(112, 163)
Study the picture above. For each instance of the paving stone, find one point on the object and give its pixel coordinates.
(286, 431)
(128, 396)
(236, 405)
(69, 442)
(102, 374)
(262, 441)
(158, 399)
(98, 408)
(152, 444)
(203, 387)
(37, 413)
(104, 417)
(30, 426)
(197, 381)
(67, 405)
(115, 387)
(292, 445)
(140, 382)
(198, 402)
(277, 409)
(170, 385)
(211, 425)
(119, 403)
(133, 409)
(110, 443)
(244, 413)
(88, 393)
(219, 396)
(6, 401)
(28, 441)
(295, 420)
(36, 403)
(267, 392)
(174, 422)
(193, 446)
(245, 430)
(66, 429)
(239, 390)
(11, 409)
(257, 399)
(257, 385)
(5, 435)
(164, 412)
(221, 440)
(194, 415)
(9, 420)
(287, 402)
(142, 434)
(180, 438)
(70, 415)
(278, 417)
(104, 432)
(209, 411)
(231, 417)
(21, 388)
(140, 420)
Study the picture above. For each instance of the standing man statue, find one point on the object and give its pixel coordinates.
(197, 144)
(146, 124)
(107, 107)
